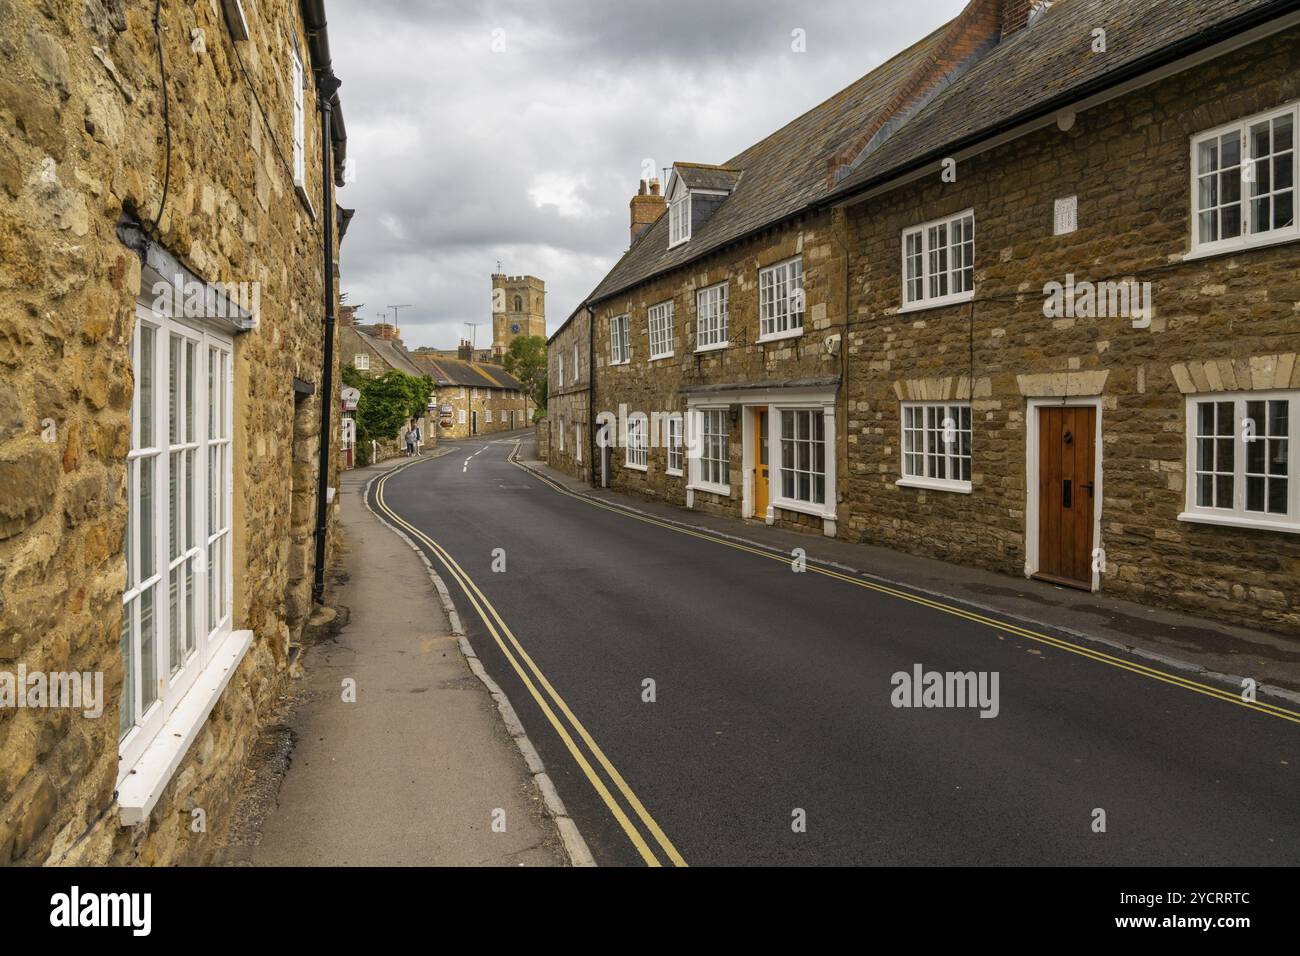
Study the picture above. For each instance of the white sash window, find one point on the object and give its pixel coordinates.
(176, 607)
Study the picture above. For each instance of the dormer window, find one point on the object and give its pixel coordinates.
(694, 194)
(679, 220)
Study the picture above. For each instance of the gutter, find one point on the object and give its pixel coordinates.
(318, 44)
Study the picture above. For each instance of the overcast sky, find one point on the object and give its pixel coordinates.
(517, 131)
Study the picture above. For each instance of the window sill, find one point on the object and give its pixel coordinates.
(804, 507)
(673, 472)
(301, 190)
(1209, 252)
(660, 358)
(712, 348)
(931, 484)
(144, 783)
(624, 362)
(724, 490)
(632, 467)
(1233, 521)
(780, 336)
(927, 304)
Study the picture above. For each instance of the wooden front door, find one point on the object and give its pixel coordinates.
(1066, 492)
(760, 462)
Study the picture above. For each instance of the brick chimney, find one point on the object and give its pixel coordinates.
(466, 351)
(968, 37)
(387, 332)
(647, 206)
(1016, 13)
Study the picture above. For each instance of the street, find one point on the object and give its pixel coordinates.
(768, 735)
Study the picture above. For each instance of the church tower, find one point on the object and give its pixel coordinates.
(518, 308)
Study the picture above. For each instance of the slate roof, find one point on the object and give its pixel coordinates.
(779, 175)
(1036, 71)
(446, 371)
(388, 350)
(700, 176)
(1031, 74)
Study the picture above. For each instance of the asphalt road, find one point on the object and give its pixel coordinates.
(773, 703)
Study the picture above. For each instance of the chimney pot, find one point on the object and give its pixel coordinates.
(646, 207)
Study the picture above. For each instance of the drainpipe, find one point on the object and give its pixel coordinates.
(327, 91)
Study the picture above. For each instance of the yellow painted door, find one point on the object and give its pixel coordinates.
(760, 462)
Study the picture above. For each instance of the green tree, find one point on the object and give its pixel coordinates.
(387, 403)
(526, 361)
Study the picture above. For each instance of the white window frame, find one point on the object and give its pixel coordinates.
(576, 376)
(679, 220)
(460, 416)
(563, 427)
(487, 416)
(1246, 239)
(202, 457)
(931, 447)
(712, 317)
(928, 252)
(559, 358)
(781, 300)
(1238, 516)
(620, 339)
(577, 442)
(800, 439)
(297, 79)
(659, 328)
(710, 462)
(361, 362)
(636, 451)
(676, 447)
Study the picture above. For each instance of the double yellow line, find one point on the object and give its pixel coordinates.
(533, 679)
(1134, 667)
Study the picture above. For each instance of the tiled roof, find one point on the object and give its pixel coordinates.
(1052, 63)
(1022, 78)
(447, 371)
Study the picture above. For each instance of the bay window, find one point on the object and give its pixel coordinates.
(803, 456)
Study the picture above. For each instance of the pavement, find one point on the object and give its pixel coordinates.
(417, 770)
(694, 701)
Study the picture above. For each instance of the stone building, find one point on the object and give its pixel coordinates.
(1014, 299)
(518, 308)
(568, 397)
(163, 261)
(471, 398)
(375, 349)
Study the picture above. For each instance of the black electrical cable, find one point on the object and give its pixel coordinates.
(167, 128)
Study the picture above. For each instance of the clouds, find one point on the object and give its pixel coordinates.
(517, 131)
